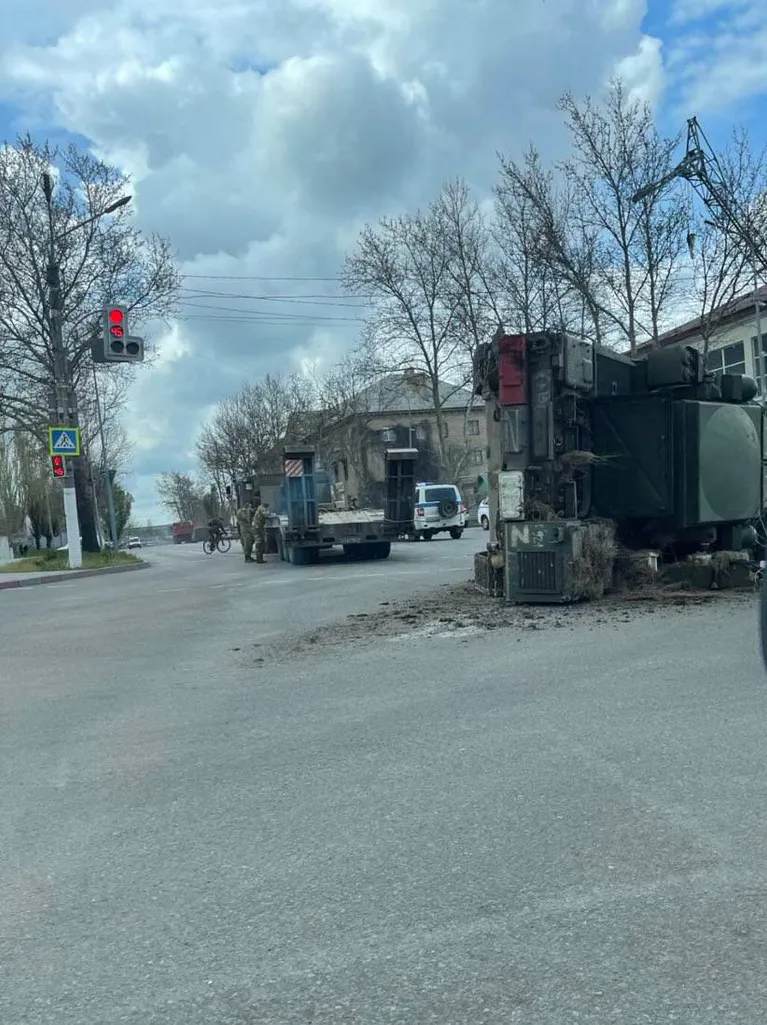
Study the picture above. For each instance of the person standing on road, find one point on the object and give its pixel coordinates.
(245, 524)
(259, 531)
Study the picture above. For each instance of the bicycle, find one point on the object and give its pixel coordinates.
(221, 544)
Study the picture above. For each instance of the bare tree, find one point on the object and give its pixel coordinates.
(407, 265)
(472, 265)
(577, 232)
(104, 260)
(617, 149)
(340, 423)
(563, 254)
(537, 295)
(248, 428)
(721, 269)
(123, 502)
(179, 493)
(12, 504)
(28, 495)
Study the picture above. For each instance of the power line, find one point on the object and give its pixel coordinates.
(257, 316)
(299, 300)
(251, 277)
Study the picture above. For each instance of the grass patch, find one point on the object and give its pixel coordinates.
(53, 561)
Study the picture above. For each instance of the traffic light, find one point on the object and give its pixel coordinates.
(119, 346)
(58, 466)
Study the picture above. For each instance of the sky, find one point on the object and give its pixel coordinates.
(262, 135)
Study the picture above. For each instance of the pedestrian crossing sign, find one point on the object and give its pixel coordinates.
(64, 441)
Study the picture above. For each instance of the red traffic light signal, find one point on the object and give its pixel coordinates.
(116, 318)
(118, 345)
(58, 466)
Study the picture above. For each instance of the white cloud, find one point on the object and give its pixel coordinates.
(643, 71)
(716, 61)
(686, 11)
(262, 135)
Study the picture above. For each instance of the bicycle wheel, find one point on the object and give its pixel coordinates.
(223, 545)
(208, 547)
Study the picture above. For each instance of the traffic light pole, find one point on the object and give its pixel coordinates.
(64, 404)
(105, 465)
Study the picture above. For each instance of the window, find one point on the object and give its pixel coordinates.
(421, 432)
(472, 428)
(730, 359)
(760, 363)
(388, 435)
(443, 494)
(444, 429)
(477, 457)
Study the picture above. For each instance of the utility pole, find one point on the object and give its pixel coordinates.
(64, 397)
(61, 382)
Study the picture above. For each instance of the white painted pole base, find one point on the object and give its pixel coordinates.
(73, 526)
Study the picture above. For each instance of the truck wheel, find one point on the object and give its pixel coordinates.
(304, 556)
(455, 533)
(381, 549)
(485, 523)
(427, 535)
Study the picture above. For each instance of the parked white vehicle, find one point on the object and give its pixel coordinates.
(483, 514)
(438, 508)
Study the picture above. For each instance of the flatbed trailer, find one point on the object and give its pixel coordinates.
(362, 533)
(299, 527)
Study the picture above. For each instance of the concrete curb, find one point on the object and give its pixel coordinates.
(71, 574)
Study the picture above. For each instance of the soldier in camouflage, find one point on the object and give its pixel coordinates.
(259, 531)
(245, 524)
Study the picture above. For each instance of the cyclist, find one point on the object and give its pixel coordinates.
(215, 530)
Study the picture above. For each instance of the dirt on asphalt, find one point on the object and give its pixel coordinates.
(463, 611)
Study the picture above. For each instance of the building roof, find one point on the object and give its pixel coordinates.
(411, 393)
(407, 393)
(726, 314)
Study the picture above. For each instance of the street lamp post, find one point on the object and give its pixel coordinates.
(66, 413)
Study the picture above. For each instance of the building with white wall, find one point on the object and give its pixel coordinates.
(733, 345)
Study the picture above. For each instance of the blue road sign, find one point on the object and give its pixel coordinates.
(64, 441)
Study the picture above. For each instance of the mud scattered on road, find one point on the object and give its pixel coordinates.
(463, 611)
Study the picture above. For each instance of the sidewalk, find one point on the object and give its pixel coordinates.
(8, 580)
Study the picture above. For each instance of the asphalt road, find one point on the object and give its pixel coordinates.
(536, 826)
